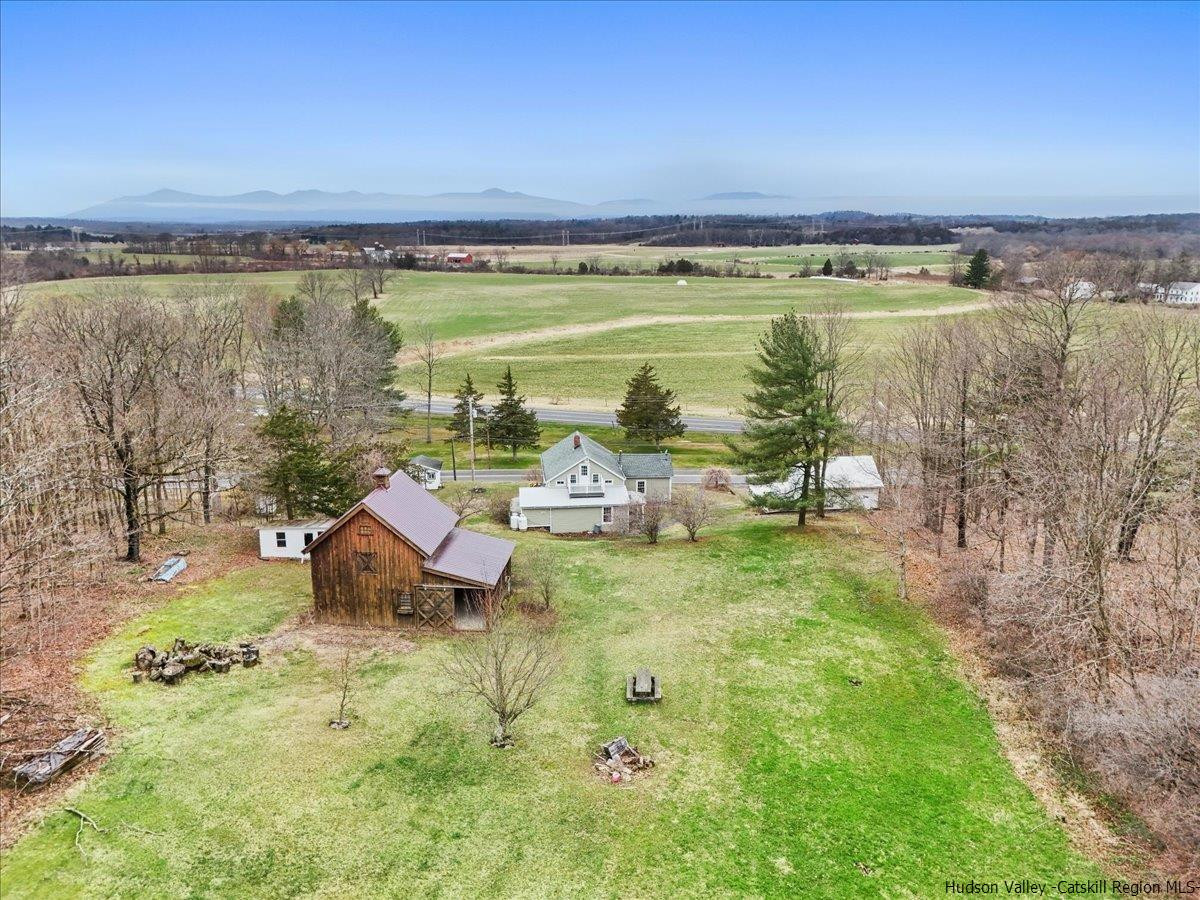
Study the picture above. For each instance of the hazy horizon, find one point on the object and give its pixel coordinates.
(924, 108)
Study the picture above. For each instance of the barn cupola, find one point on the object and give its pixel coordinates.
(380, 477)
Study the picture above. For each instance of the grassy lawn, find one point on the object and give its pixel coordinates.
(695, 450)
(459, 305)
(768, 259)
(704, 363)
(776, 776)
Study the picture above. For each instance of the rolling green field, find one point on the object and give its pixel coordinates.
(768, 259)
(776, 775)
(461, 305)
(705, 363)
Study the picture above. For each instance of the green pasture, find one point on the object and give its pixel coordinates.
(814, 740)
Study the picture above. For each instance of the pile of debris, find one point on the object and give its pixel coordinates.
(617, 761)
(169, 666)
(72, 749)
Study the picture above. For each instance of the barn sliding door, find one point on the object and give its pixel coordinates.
(434, 605)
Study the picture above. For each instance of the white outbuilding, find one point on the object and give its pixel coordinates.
(851, 482)
(429, 469)
(287, 540)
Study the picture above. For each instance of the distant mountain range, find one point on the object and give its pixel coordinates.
(312, 207)
(354, 206)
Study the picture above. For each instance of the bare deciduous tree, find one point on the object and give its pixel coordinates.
(541, 572)
(509, 669)
(652, 517)
(379, 273)
(692, 508)
(463, 500)
(429, 352)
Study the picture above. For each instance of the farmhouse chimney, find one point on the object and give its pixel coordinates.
(576, 441)
(380, 477)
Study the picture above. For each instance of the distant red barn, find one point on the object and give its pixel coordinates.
(460, 259)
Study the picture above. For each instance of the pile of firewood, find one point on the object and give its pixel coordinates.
(617, 761)
(170, 666)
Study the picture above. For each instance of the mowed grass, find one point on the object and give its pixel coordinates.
(775, 776)
(462, 305)
(705, 363)
(787, 258)
(694, 450)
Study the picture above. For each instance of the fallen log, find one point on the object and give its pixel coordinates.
(72, 749)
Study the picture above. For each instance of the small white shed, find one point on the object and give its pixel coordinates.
(430, 470)
(287, 540)
(851, 482)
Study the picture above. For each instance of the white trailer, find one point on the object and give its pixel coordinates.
(287, 540)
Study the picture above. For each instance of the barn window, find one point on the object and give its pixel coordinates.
(366, 562)
(308, 538)
(365, 529)
(281, 539)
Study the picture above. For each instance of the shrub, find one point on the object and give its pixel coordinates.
(499, 506)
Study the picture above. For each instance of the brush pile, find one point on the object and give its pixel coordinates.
(617, 761)
(170, 666)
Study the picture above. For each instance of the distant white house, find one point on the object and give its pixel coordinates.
(1178, 293)
(590, 488)
(377, 253)
(287, 540)
(851, 482)
(430, 470)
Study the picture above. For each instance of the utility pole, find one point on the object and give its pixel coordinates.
(471, 427)
(453, 459)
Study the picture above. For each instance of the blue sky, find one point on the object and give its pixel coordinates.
(958, 106)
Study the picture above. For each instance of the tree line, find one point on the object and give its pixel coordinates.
(123, 413)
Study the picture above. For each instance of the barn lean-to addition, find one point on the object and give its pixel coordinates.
(398, 559)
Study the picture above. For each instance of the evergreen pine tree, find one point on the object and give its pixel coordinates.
(827, 269)
(512, 425)
(460, 420)
(649, 412)
(384, 337)
(298, 471)
(787, 419)
(979, 270)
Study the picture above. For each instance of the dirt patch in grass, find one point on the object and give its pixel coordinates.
(475, 344)
(329, 643)
(41, 701)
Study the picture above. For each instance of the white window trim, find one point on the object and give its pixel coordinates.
(606, 515)
(640, 485)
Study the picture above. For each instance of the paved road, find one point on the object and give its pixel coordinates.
(511, 476)
(712, 424)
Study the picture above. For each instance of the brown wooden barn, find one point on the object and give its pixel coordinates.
(398, 558)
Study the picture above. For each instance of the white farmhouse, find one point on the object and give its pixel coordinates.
(851, 482)
(587, 487)
(287, 540)
(1179, 293)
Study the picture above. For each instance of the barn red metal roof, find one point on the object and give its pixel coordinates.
(471, 556)
(412, 512)
(430, 526)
